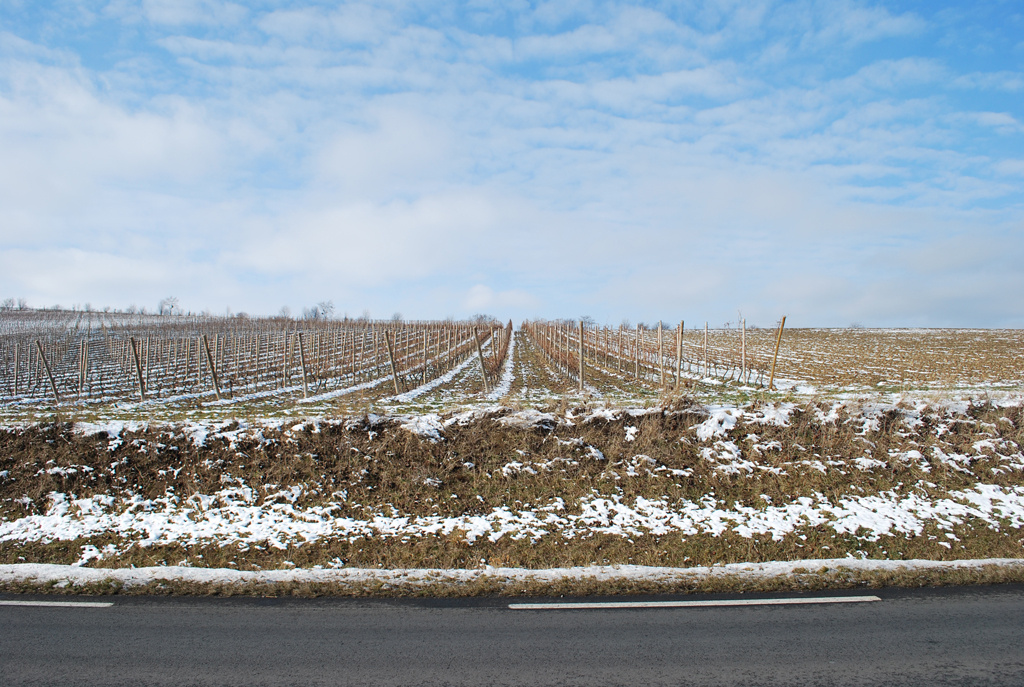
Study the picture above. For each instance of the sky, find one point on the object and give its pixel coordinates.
(838, 162)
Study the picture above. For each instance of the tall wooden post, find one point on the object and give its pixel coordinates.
(743, 350)
(49, 373)
(619, 350)
(256, 385)
(188, 362)
(376, 348)
(423, 377)
(483, 367)
(706, 368)
(661, 356)
(679, 354)
(581, 356)
(636, 364)
(778, 340)
(302, 361)
(391, 358)
(213, 367)
(133, 344)
(81, 366)
(285, 349)
(495, 344)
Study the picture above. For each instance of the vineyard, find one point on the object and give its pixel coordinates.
(824, 358)
(88, 361)
(177, 442)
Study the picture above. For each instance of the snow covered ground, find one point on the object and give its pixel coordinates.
(232, 517)
(63, 576)
(241, 514)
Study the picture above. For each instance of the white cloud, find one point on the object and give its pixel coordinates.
(484, 299)
(1002, 81)
(1003, 122)
(178, 13)
(350, 23)
(575, 158)
(397, 152)
(832, 23)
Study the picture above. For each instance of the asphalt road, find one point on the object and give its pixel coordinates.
(960, 636)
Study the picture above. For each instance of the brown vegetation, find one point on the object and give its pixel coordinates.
(381, 467)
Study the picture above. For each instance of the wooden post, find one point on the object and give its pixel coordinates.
(17, 365)
(619, 350)
(494, 345)
(483, 367)
(423, 377)
(352, 357)
(376, 348)
(302, 361)
(706, 368)
(679, 354)
(391, 357)
(636, 365)
(743, 350)
(778, 340)
(661, 356)
(581, 356)
(188, 361)
(81, 357)
(46, 364)
(138, 367)
(256, 383)
(285, 359)
(448, 348)
(85, 367)
(213, 367)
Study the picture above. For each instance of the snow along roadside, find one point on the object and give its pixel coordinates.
(60, 576)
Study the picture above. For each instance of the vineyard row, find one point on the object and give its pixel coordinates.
(107, 364)
(660, 356)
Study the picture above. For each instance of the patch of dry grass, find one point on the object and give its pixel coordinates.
(378, 466)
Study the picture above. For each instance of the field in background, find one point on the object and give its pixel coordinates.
(173, 367)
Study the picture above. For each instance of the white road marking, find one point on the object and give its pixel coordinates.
(690, 604)
(59, 604)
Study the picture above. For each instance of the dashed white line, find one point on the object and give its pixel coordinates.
(690, 604)
(58, 604)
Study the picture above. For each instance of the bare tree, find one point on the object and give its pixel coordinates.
(169, 306)
(326, 309)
